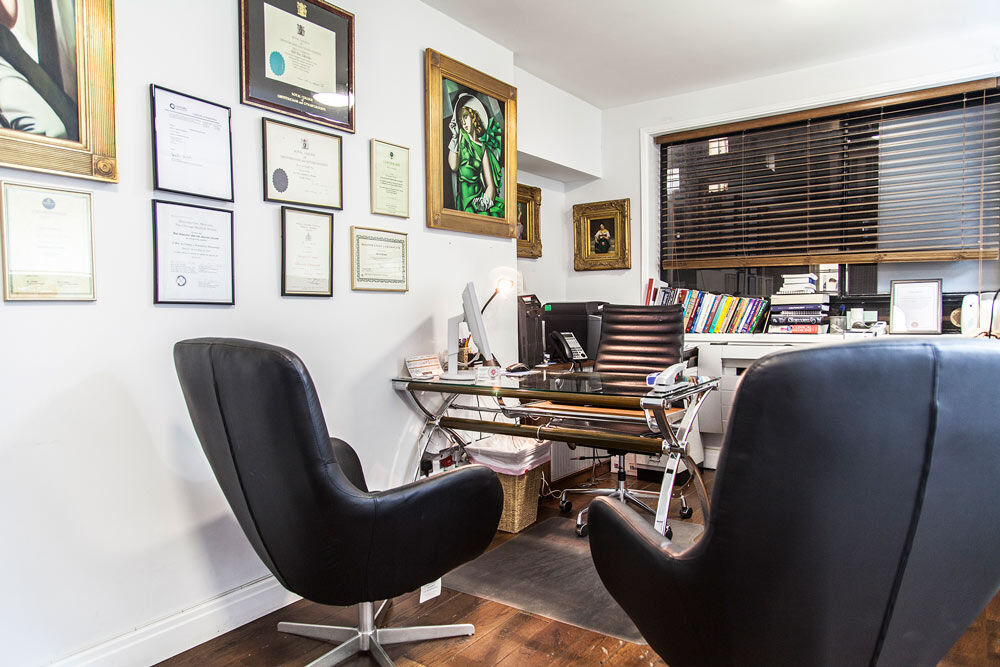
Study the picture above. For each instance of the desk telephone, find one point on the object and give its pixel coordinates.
(566, 346)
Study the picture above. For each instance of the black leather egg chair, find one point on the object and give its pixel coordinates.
(854, 517)
(301, 497)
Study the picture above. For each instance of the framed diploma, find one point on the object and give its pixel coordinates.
(192, 254)
(915, 306)
(378, 260)
(302, 166)
(306, 252)
(48, 245)
(297, 58)
(390, 179)
(192, 145)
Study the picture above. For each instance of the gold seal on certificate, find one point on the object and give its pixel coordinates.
(390, 179)
(378, 260)
(48, 249)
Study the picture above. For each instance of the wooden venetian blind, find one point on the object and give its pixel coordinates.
(912, 177)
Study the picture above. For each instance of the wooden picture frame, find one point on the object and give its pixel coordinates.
(315, 80)
(471, 120)
(915, 306)
(306, 252)
(528, 229)
(47, 239)
(601, 236)
(302, 165)
(72, 137)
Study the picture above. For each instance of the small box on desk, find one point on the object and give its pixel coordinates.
(520, 500)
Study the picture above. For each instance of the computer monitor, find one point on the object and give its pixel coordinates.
(472, 316)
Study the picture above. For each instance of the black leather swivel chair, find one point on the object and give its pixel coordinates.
(854, 516)
(301, 498)
(635, 341)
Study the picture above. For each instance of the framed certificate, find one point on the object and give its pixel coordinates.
(306, 252)
(48, 245)
(192, 254)
(192, 145)
(915, 306)
(390, 179)
(302, 166)
(378, 260)
(297, 58)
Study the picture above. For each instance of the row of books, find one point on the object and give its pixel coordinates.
(719, 313)
(800, 313)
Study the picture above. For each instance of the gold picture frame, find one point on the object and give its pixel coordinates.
(528, 229)
(87, 150)
(471, 119)
(601, 236)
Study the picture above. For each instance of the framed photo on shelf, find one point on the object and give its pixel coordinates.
(471, 149)
(192, 254)
(306, 252)
(528, 230)
(601, 236)
(48, 243)
(192, 145)
(302, 166)
(66, 122)
(915, 306)
(297, 59)
(390, 179)
(378, 260)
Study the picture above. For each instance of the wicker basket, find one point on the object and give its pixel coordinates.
(520, 500)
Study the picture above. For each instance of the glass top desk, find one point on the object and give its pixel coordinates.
(604, 410)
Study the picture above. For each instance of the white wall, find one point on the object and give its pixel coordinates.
(113, 522)
(630, 159)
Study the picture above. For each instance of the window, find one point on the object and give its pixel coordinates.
(912, 177)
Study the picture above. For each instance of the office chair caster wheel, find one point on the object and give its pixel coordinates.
(581, 531)
(687, 512)
(669, 534)
(565, 506)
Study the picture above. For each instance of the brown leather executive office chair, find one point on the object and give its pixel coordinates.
(635, 341)
(301, 497)
(854, 516)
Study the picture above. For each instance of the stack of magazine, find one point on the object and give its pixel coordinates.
(719, 313)
(798, 283)
(805, 313)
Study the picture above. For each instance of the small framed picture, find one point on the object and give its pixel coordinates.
(390, 179)
(48, 244)
(915, 306)
(601, 235)
(192, 254)
(306, 252)
(528, 230)
(297, 58)
(302, 166)
(192, 145)
(378, 260)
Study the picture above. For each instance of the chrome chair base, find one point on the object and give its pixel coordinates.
(366, 638)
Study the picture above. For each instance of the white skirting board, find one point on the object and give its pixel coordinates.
(167, 637)
(562, 466)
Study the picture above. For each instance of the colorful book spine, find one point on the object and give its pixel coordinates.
(798, 328)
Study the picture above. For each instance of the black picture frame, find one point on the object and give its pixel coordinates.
(285, 291)
(266, 79)
(292, 146)
(158, 293)
(157, 147)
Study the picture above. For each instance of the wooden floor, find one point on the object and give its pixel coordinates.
(504, 636)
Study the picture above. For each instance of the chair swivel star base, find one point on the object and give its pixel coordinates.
(366, 638)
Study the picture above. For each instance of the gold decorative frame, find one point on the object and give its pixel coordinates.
(529, 206)
(587, 221)
(93, 155)
(437, 68)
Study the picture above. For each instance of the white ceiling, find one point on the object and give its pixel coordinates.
(616, 52)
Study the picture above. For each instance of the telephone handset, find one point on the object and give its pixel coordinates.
(566, 346)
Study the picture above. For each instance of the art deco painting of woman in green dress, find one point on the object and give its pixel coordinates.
(475, 154)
